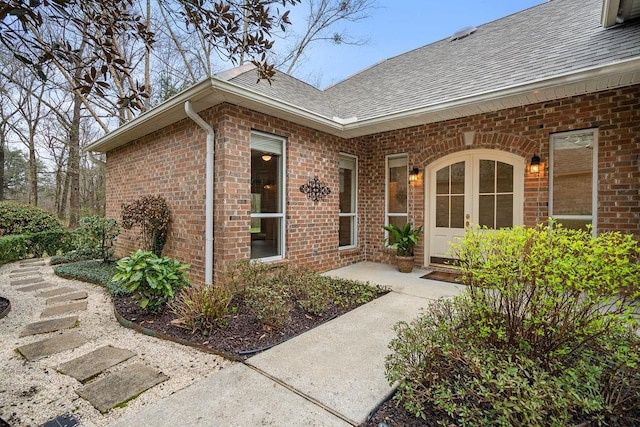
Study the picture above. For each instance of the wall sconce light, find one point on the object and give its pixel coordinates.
(534, 166)
(266, 157)
(413, 174)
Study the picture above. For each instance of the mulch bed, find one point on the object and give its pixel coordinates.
(443, 276)
(242, 337)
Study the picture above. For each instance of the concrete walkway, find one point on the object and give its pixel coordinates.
(332, 375)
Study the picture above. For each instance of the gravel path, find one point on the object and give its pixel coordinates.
(32, 393)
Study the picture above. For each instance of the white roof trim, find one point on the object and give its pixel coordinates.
(214, 91)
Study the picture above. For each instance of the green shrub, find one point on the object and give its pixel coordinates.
(151, 214)
(16, 218)
(272, 292)
(96, 236)
(23, 246)
(94, 271)
(152, 280)
(71, 256)
(543, 334)
(201, 308)
(270, 301)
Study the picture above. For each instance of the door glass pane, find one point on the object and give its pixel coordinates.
(504, 210)
(457, 211)
(486, 209)
(266, 242)
(442, 181)
(442, 211)
(398, 189)
(573, 174)
(265, 182)
(487, 176)
(457, 178)
(504, 178)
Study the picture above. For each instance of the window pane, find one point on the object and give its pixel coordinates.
(505, 178)
(399, 221)
(346, 235)
(347, 198)
(487, 176)
(573, 174)
(486, 209)
(504, 210)
(397, 202)
(457, 178)
(266, 243)
(442, 211)
(265, 182)
(457, 211)
(575, 224)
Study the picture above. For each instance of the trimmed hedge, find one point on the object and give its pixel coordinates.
(35, 245)
(16, 218)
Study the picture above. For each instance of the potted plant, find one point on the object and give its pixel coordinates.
(404, 239)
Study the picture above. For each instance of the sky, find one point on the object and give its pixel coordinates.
(395, 27)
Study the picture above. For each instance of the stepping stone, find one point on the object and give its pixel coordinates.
(30, 273)
(63, 309)
(120, 386)
(66, 420)
(56, 292)
(33, 263)
(68, 297)
(28, 281)
(25, 269)
(85, 367)
(36, 287)
(53, 345)
(49, 326)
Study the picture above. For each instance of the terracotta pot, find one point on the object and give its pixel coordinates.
(405, 263)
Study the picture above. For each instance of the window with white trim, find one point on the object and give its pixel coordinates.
(348, 221)
(267, 197)
(573, 175)
(397, 184)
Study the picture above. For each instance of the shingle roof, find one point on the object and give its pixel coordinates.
(288, 89)
(551, 39)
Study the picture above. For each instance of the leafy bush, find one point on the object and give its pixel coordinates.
(151, 214)
(94, 271)
(152, 280)
(201, 308)
(96, 236)
(16, 218)
(71, 256)
(23, 246)
(543, 335)
(272, 292)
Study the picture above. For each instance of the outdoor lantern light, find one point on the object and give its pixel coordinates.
(534, 167)
(413, 175)
(266, 157)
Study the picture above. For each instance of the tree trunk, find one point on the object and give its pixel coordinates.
(2, 144)
(33, 170)
(73, 168)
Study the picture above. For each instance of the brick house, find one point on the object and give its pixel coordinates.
(440, 136)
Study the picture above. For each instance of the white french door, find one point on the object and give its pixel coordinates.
(475, 187)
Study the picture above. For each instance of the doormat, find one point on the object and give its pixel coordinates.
(443, 276)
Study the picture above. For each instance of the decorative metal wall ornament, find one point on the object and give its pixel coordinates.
(315, 189)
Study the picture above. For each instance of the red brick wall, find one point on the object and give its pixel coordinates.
(171, 162)
(522, 131)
